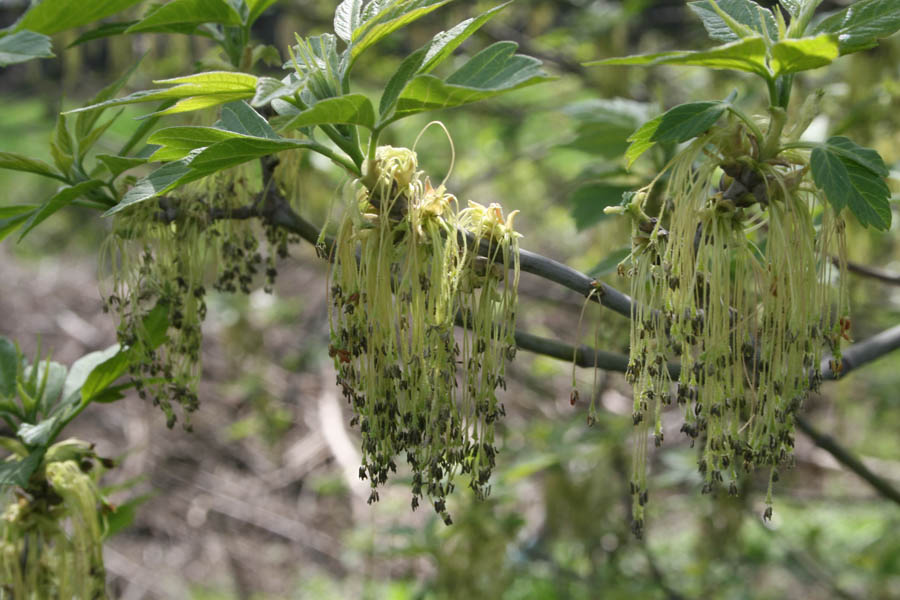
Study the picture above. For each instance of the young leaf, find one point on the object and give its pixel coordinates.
(240, 118)
(187, 12)
(256, 8)
(17, 162)
(347, 18)
(269, 89)
(37, 435)
(9, 367)
(862, 24)
(866, 157)
(493, 71)
(392, 16)
(18, 472)
(51, 16)
(117, 165)
(678, 124)
(105, 373)
(849, 181)
(82, 368)
(23, 45)
(746, 12)
(234, 152)
(177, 142)
(193, 92)
(165, 178)
(748, 55)
(351, 109)
(641, 140)
(13, 217)
(686, 121)
(59, 200)
(103, 31)
(792, 6)
(430, 55)
(61, 148)
(793, 55)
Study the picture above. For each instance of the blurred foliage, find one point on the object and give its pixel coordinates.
(556, 524)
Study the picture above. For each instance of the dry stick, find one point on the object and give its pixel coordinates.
(278, 212)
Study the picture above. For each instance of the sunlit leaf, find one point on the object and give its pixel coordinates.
(51, 16)
(746, 12)
(748, 55)
(793, 55)
(862, 24)
(187, 12)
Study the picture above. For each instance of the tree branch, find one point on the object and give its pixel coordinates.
(276, 211)
(882, 275)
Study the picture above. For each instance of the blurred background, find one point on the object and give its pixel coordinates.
(262, 500)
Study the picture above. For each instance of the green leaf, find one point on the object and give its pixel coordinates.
(269, 89)
(61, 147)
(123, 515)
(745, 12)
(493, 71)
(642, 140)
(430, 55)
(37, 435)
(793, 55)
(105, 373)
(862, 24)
(391, 16)
(56, 376)
(866, 157)
(156, 324)
(792, 6)
(12, 217)
(589, 200)
(187, 12)
(17, 162)
(177, 142)
(193, 91)
(9, 367)
(351, 109)
(347, 18)
(51, 16)
(677, 125)
(111, 394)
(165, 178)
(58, 201)
(849, 182)
(119, 164)
(103, 31)
(24, 45)
(17, 472)
(609, 264)
(241, 118)
(748, 55)
(257, 8)
(444, 43)
(686, 121)
(234, 152)
(81, 369)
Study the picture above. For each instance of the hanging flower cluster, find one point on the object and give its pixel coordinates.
(165, 253)
(51, 536)
(406, 269)
(732, 276)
